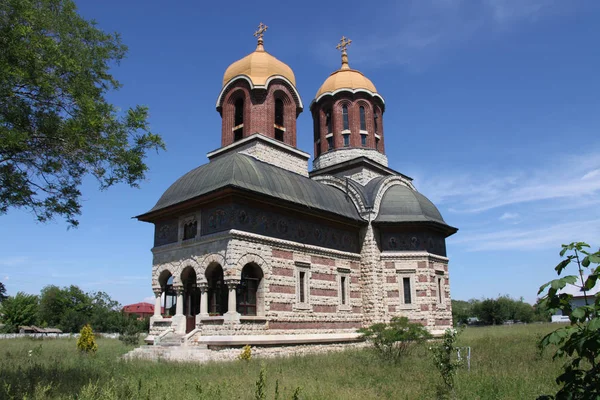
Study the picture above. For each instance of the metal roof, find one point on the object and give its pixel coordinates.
(245, 172)
(402, 204)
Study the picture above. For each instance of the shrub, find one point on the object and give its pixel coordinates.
(246, 353)
(444, 359)
(394, 340)
(86, 342)
(130, 336)
(580, 341)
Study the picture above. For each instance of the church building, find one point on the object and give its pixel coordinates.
(253, 248)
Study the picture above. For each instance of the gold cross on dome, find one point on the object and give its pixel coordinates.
(262, 28)
(344, 43)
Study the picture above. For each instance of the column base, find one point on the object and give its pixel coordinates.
(231, 317)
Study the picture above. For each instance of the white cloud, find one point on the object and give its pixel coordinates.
(548, 236)
(591, 175)
(421, 30)
(13, 261)
(509, 10)
(557, 180)
(508, 216)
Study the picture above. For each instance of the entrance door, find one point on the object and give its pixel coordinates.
(190, 323)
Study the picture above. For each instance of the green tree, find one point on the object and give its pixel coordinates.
(68, 308)
(462, 311)
(492, 311)
(21, 309)
(56, 125)
(580, 341)
(3, 295)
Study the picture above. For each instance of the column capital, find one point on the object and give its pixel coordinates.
(178, 290)
(232, 283)
(157, 291)
(203, 286)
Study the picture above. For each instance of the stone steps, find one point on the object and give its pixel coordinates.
(170, 353)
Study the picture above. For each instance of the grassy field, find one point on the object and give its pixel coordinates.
(505, 365)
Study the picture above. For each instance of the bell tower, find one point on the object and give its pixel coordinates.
(348, 117)
(259, 105)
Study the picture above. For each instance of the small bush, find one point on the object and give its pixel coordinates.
(87, 342)
(246, 353)
(446, 362)
(394, 340)
(130, 336)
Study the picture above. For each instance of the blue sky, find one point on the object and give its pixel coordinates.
(493, 107)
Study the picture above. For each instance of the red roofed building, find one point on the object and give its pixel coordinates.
(142, 309)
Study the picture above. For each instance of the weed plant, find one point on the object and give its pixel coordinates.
(505, 364)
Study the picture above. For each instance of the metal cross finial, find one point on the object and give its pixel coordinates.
(344, 43)
(262, 28)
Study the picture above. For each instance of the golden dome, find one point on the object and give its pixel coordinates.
(259, 66)
(345, 77)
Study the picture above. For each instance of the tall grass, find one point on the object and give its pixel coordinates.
(505, 365)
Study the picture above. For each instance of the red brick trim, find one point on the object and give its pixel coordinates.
(287, 255)
(282, 289)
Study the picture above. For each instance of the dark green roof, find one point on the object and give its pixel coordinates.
(402, 204)
(247, 173)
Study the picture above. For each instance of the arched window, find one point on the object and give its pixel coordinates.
(345, 117)
(363, 122)
(190, 230)
(328, 121)
(279, 129)
(217, 292)
(238, 123)
(247, 298)
(375, 122)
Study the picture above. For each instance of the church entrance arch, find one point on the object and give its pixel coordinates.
(165, 281)
(191, 297)
(250, 291)
(217, 290)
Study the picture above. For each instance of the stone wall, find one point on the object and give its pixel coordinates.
(424, 270)
(340, 155)
(270, 151)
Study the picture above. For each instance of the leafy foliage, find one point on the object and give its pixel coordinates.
(86, 343)
(246, 353)
(19, 310)
(56, 125)
(580, 341)
(497, 311)
(394, 340)
(445, 360)
(3, 295)
(70, 308)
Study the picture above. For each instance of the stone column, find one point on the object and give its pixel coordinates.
(157, 305)
(179, 305)
(203, 299)
(232, 316)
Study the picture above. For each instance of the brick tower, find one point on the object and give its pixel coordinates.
(348, 117)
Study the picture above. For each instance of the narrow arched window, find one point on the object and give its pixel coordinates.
(279, 129)
(238, 123)
(328, 121)
(248, 290)
(375, 121)
(345, 118)
(363, 121)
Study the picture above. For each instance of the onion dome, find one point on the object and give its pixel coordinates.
(346, 77)
(259, 65)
